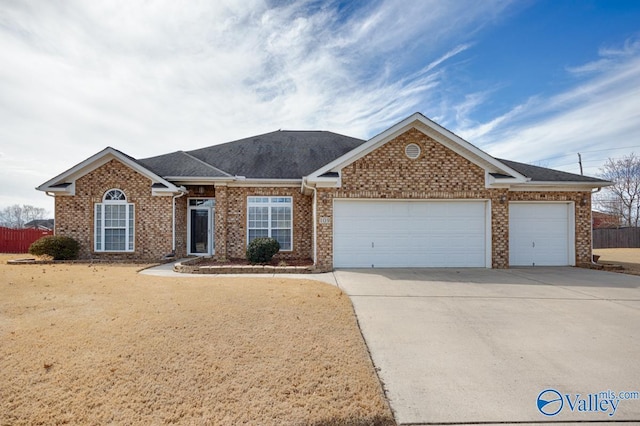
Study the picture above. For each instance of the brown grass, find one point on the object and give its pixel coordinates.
(85, 344)
(628, 258)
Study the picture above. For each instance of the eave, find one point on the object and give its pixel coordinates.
(234, 181)
(558, 186)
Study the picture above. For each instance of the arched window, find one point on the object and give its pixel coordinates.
(114, 223)
(114, 195)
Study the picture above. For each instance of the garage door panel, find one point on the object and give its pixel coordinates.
(409, 234)
(540, 234)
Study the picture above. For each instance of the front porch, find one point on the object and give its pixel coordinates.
(218, 221)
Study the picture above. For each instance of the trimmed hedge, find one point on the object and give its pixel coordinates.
(58, 247)
(261, 250)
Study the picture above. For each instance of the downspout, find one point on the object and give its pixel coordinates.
(591, 218)
(54, 210)
(314, 216)
(183, 191)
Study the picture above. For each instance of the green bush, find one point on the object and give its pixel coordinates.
(261, 250)
(59, 248)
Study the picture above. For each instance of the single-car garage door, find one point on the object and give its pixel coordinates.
(541, 234)
(386, 234)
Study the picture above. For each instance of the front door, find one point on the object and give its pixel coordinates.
(200, 224)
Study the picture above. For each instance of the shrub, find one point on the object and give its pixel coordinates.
(59, 248)
(261, 250)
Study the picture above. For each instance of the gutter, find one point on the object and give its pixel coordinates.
(183, 191)
(52, 195)
(591, 218)
(314, 216)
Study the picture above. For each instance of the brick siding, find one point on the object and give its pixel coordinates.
(236, 221)
(152, 227)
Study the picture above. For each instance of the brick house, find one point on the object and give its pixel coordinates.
(416, 195)
(605, 220)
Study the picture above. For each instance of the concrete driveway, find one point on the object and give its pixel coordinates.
(477, 345)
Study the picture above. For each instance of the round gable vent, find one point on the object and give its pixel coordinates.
(412, 151)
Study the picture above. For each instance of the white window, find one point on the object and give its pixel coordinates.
(114, 219)
(270, 217)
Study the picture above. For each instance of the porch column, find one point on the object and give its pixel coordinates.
(220, 230)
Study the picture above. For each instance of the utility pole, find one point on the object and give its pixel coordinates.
(580, 162)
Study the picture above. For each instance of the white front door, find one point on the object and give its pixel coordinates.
(200, 224)
(541, 234)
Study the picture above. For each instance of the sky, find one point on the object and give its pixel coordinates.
(530, 81)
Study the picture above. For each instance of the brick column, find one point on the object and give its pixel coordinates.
(324, 235)
(220, 224)
(583, 227)
(500, 229)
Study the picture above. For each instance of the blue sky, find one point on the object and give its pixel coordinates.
(530, 81)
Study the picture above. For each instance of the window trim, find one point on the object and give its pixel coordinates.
(270, 204)
(99, 227)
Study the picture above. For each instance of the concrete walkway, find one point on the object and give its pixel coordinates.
(478, 346)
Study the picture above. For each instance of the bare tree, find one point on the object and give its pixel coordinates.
(16, 216)
(623, 197)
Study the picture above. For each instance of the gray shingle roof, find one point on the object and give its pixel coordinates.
(542, 174)
(180, 163)
(284, 154)
(292, 154)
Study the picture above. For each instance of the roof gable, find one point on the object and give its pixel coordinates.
(64, 183)
(498, 172)
(431, 129)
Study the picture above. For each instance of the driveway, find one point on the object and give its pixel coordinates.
(480, 345)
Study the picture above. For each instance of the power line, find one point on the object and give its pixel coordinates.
(592, 150)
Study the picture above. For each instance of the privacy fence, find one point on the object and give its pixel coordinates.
(616, 238)
(19, 240)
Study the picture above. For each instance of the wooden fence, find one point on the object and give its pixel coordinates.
(19, 240)
(616, 238)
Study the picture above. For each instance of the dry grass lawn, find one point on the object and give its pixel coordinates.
(101, 344)
(629, 258)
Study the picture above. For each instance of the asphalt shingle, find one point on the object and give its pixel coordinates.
(180, 164)
(284, 154)
(542, 174)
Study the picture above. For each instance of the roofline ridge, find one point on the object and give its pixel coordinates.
(205, 163)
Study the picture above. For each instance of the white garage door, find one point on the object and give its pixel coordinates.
(385, 234)
(541, 234)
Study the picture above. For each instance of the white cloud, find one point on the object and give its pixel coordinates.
(154, 77)
(600, 115)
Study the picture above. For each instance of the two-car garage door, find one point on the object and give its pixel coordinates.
(384, 233)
